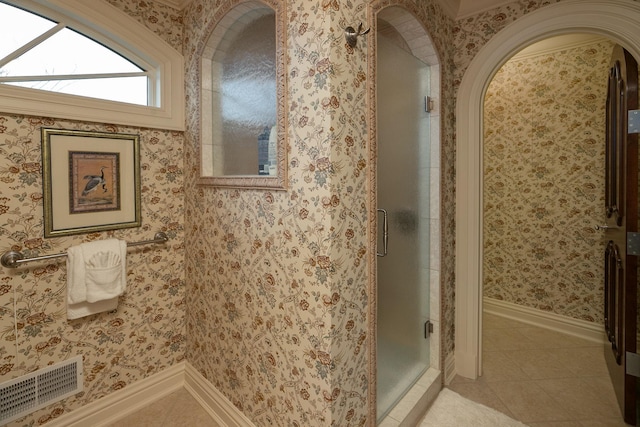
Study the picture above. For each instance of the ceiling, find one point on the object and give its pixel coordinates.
(455, 8)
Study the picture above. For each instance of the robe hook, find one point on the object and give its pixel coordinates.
(351, 35)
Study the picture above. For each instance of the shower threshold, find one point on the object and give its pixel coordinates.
(413, 406)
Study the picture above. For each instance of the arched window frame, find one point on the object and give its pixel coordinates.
(123, 34)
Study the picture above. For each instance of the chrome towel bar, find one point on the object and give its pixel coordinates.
(14, 259)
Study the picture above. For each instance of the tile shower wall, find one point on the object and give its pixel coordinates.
(544, 181)
(278, 302)
(147, 332)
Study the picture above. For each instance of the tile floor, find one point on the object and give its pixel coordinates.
(179, 409)
(539, 377)
(542, 378)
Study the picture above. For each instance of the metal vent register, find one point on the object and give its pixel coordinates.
(38, 389)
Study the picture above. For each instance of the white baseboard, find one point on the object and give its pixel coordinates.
(212, 401)
(567, 325)
(127, 401)
(449, 368)
(131, 399)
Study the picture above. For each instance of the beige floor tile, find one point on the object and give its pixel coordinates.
(613, 422)
(497, 366)
(179, 409)
(506, 339)
(480, 392)
(528, 402)
(540, 363)
(544, 338)
(491, 321)
(460, 379)
(604, 387)
(579, 398)
(187, 412)
(151, 415)
(583, 362)
(557, 424)
(571, 386)
(191, 419)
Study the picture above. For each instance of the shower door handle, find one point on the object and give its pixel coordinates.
(385, 233)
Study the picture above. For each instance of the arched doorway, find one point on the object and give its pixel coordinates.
(615, 20)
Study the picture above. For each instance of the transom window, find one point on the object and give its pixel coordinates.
(90, 61)
(40, 53)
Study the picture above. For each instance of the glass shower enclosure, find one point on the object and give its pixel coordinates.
(403, 226)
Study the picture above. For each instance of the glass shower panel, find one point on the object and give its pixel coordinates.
(403, 192)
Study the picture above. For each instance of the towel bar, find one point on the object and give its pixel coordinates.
(13, 259)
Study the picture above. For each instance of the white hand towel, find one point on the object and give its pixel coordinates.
(82, 309)
(96, 276)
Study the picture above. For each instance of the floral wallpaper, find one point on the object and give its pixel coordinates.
(544, 181)
(473, 32)
(159, 18)
(146, 334)
(273, 304)
(278, 292)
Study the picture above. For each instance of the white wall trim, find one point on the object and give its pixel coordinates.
(615, 19)
(567, 325)
(134, 397)
(121, 403)
(214, 402)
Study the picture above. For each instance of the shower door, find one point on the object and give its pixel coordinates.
(403, 216)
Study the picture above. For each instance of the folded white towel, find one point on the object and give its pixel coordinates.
(82, 309)
(96, 276)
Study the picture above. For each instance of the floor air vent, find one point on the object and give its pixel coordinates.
(38, 389)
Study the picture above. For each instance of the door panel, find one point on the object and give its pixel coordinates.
(621, 197)
(402, 193)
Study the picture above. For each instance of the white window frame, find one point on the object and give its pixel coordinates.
(123, 34)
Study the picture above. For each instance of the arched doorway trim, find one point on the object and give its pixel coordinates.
(615, 19)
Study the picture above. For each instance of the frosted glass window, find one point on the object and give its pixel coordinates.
(244, 97)
(243, 116)
(47, 55)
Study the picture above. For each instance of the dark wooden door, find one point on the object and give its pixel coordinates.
(621, 195)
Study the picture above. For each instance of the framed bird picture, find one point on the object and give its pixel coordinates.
(91, 181)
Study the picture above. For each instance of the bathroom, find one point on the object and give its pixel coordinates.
(265, 293)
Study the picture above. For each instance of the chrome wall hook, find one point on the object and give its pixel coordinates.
(351, 35)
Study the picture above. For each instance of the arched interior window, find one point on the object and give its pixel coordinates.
(242, 133)
(71, 59)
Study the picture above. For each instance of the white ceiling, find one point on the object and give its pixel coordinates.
(455, 8)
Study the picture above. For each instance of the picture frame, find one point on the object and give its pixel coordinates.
(91, 181)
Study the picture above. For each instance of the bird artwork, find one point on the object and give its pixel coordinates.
(94, 182)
